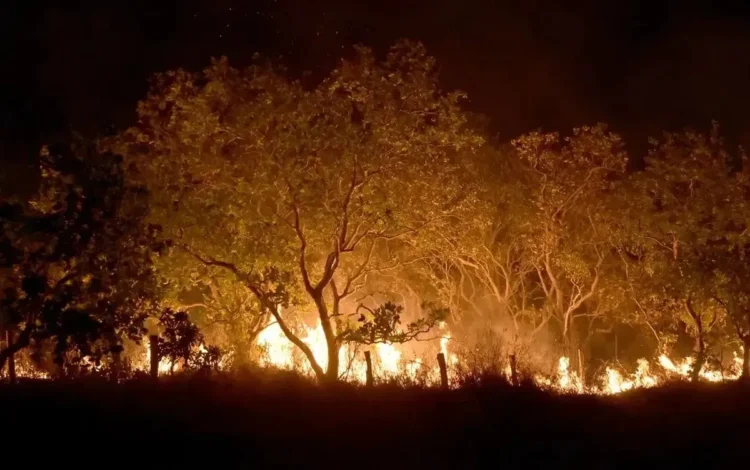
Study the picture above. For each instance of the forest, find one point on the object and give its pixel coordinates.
(252, 220)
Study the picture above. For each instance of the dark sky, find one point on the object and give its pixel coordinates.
(642, 66)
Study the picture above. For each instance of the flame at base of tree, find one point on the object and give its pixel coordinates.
(391, 362)
(388, 362)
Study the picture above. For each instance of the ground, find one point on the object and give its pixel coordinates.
(282, 422)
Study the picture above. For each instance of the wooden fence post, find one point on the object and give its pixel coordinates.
(368, 360)
(580, 368)
(11, 358)
(155, 355)
(513, 370)
(443, 370)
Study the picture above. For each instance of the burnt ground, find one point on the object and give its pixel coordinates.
(192, 422)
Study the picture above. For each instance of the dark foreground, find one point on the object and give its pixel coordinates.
(222, 423)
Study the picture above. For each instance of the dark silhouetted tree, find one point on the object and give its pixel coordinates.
(75, 262)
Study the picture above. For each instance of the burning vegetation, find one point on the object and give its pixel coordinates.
(366, 229)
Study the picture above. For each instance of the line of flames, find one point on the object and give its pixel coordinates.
(390, 361)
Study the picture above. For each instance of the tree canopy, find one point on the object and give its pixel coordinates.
(302, 194)
(332, 203)
(76, 261)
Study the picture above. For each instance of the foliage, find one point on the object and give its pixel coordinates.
(179, 337)
(568, 243)
(252, 173)
(181, 340)
(688, 238)
(381, 325)
(76, 261)
(365, 201)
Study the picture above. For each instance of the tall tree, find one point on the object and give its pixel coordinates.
(75, 262)
(691, 224)
(481, 271)
(302, 194)
(567, 238)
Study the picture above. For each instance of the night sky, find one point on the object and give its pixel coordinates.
(641, 66)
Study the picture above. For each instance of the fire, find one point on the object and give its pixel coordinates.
(388, 359)
(450, 359)
(413, 368)
(165, 366)
(278, 350)
(642, 378)
(613, 381)
(568, 381)
(684, 368)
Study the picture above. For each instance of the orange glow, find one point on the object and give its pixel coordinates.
(390, 361)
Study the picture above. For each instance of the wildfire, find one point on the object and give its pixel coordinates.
(389, 361)
(613, 381)
(165, 366)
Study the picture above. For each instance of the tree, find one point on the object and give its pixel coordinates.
(482, 260)
(226, 312)
(566, 240)
(75, 262)
(182, 340)
(304, 194)
(690, 237)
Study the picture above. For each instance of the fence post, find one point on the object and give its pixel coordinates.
(11, 358)
(368, 360)
(513, 370)
(443, 370)
(580, 368)
(155, 355)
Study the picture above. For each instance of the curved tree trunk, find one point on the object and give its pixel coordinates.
(276, 312)
(332, 371)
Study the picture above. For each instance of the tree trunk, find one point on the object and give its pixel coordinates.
(513, 370)
(21, 342)
(700, 359)
(746, 358)
(11, 358)
(154, 348)
(443, 370)
(276, 312)
(332, 371)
